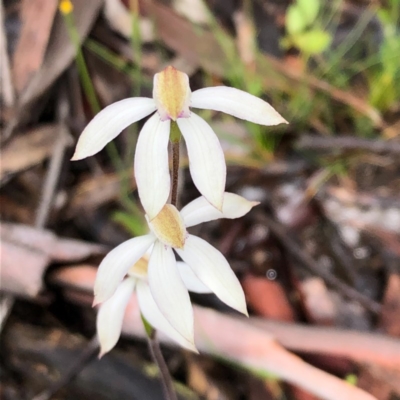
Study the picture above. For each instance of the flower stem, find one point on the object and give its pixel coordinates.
(158, 358)
(175, 172)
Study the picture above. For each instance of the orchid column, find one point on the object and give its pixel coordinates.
(147, 264)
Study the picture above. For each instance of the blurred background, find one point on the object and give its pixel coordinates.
(319, 258)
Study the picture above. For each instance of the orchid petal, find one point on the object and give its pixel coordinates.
(212, 268)
(200, 210)
(116, 265)
(238, 103)
(111, 314)
(110, 122)
(153, 315)
(206, 158)
(151, 165)
(168, 290)
(191, 281)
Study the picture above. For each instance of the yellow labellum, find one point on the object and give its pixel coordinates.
(168, 226)
(172, 92)
(139, 270)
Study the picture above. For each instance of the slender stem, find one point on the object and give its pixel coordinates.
(136, 44)
(175, 172)
(158, 358)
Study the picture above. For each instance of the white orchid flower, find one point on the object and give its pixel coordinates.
(111, 312)
(172, 98)
(168, 232)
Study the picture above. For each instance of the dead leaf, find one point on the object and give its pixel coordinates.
(267, 298)
(320, 306)
(6, 87)
(194, 10)
(93, 192)
(300, 394)
(26, 252)
(85, 274)
(198, 45)
(245, 41)
(26, 150)
(379, 381)
(201, 380)
(22, 268)
(390, 315)
(12, 210)
(59, 55)
(37, 19)
(120, 19)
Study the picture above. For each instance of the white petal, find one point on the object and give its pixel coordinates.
(200, 210)
(238, 103)
(153, 315)
(206, 158)
(110, 122)
(212, 268)
(116, 265)
(151, 165)
(169, 292)
(111, 314)
(191, 281)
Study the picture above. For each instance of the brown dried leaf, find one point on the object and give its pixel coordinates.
(197, 45)
(37, 20)
(381, 382)
(390, 316)
(300, 394)
(320, 306)
(267, 298)
(202, 381)
(12, 210)
(25, 151)
(92, 193)
(119, 18)
(22, 268)
(26, 252)
(7, 94)
(245, 41)
(59, 55)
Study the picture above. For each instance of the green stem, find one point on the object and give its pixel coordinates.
(136, 41)
(94, 103)
(87, 83)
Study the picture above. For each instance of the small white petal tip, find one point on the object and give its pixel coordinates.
(194, 349)
(244, 311)
(76, 157)
(218, 205)
(189, 345)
